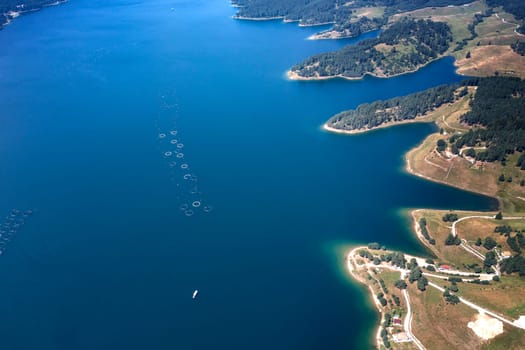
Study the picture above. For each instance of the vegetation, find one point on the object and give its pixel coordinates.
(402, 47)
(424, 231)
(489, 243)
(370, 115)
(450, 217)
(497, 116)
(328, 11)
(519, 47)
(514, 7)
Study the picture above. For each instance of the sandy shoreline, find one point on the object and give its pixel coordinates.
(328, 128)
(349, 265)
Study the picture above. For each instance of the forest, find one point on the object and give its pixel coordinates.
(20, 6)
(338, 12)
(323, 11)
(402, 47)
(370, 115)
(497, 116)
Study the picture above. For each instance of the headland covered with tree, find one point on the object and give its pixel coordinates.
(10, 9)
(496, 117)
(402, 47)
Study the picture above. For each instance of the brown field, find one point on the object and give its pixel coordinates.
(439, 230)
(492, 60)
(439, 325)
(473, 228)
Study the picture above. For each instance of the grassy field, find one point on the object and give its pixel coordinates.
(439, 325)
(370, 12)
(439, 230)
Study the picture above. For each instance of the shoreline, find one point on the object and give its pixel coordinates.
(292, 75)
(350, 268)
(331, 129)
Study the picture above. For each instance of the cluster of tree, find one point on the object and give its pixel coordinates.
(490, 260)
(401, 284)
(484, 282)
(417, 275)
(503, 229)
(370, 115)
(498, 116)
(424, 231)
(519, 47)
(449, 297)
(449, 217)
(7, 6)
(423, 40)
(513, 264)
(383, 286)
(514, 7)
(375, 246)
(452, 240)
(384, 337)
(489, 243)
(381, 298)
(516, 242)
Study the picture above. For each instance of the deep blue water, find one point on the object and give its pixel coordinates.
(109, 261)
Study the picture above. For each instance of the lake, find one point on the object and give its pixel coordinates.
(254, 210)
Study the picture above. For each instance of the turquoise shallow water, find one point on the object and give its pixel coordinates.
(109, 261)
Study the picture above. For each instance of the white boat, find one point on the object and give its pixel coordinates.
(195, 293)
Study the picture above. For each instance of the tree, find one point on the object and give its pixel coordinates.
(450, 217)
(452, 240)
(454, 287)
(453, 299)
(489, 243)
(498, 216)
(422, 283)
(490, 259)
(415, 274)
(467, 55)
(501, 178)
(441, 145)
(401, 284)
(470, 153)
(374, 246)
(479, 242)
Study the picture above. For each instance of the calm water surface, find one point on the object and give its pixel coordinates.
(109, 261)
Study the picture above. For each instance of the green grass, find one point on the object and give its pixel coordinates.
(513, 338)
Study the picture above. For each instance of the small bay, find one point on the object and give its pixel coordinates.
(108, 259)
